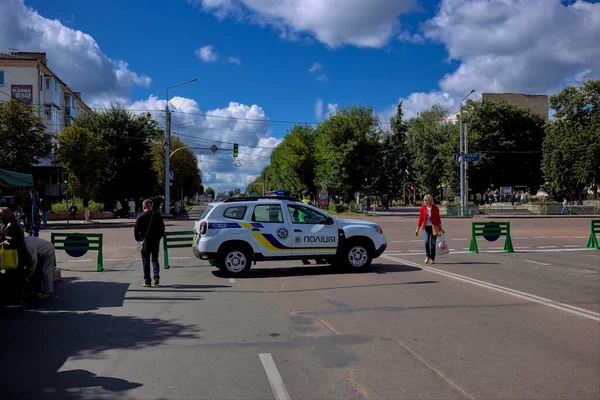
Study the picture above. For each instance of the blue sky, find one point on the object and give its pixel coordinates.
(374, 52)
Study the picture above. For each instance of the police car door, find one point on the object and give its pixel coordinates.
(311, 235)
(270, 232)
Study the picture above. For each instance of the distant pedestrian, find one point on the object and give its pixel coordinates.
(45, 206)
(73, 211)
(431, 222)
(565, 209)
(131, 205)
(148, 231)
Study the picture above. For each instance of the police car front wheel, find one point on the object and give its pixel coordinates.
(358, 256)
(235, 261)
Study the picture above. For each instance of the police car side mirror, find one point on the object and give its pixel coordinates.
(329, 221)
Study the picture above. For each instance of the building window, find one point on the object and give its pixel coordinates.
(48, 113)
(56, 86)
(41, 84)
(47, 83)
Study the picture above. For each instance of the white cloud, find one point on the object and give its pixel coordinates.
(322, 78)
(315, 67)
(520, 46)
(72, 54)
(237, 123)
(319, 108)
(235, 60)
(417, 102)
(331, 108)
(207, 54)
(414, 38)
(333, 22)
(523, 46)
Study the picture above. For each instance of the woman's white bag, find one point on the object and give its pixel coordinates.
(442, 246)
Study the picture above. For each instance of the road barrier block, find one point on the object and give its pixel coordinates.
(594, 229)
(176, 240)
(78, 244)
(491, 231)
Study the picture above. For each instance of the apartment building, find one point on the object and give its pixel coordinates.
(26, 77)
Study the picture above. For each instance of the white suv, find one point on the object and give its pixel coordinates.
(234, 233)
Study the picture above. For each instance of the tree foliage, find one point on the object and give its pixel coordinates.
(394, 158)
(23, 136)
(292, 162)
(347, 150)
(509, 140)
(571, 160)
(82, 152)
(184, 164)
(128, 160)
(209, 191)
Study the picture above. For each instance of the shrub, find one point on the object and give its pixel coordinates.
(63, 206)
(338, 208)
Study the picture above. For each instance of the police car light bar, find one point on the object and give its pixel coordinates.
(238, 199)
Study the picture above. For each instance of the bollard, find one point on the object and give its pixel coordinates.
(78, 244)
(176, 240)
(491, 231)
(594, 229)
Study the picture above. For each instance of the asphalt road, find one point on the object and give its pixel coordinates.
(475, 326)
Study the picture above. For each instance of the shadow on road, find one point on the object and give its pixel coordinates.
(317, 270)
(35, 345)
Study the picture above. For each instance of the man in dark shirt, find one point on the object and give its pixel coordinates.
(149, 229)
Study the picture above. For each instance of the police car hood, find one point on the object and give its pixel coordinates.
(354, 222)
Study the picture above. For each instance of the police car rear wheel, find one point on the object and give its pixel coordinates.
(236, 262)
(358, 256)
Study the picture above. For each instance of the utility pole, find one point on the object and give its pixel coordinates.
(167, 207)
(466, 168)
(462, 150)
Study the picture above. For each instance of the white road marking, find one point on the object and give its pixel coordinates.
(275, 380)
(460, 239)
(114, 259)
(398, 253)
(76, 261)
(179, 258)
(579, 237)
(522, 237)
(415, 241)
(571, 245)
(541, 237)
(560, 237)
(398, 241)
(414, 251)
(547, 247)
(522, 247)
(231, 280)
(537, 262)
(511, 292)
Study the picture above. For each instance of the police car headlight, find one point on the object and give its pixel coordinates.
(378, 229)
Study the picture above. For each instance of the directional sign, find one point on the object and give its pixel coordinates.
(467, 157)
(214, 148)
(171, 175)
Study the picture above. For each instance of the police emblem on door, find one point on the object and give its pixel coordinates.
(282, 233)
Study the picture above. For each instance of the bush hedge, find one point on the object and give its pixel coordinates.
(63, 206)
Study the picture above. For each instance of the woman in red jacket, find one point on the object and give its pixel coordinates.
(429, 216)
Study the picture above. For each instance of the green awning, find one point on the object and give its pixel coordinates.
(15, 180)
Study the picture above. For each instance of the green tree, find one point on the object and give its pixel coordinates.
(83, 153)
(128, 137)
(209, 192)
(509, 140)
(292, 162)
(184, 164)
(571, 160)
(347, 150)
(23, 137)
(427, 135)
(394, 157)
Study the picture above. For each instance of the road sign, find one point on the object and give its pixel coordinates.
(214, 148)
(468, 157)
(171, 175)
(81, 248)
(491, 232)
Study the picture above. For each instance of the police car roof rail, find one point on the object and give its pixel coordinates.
(255, 198)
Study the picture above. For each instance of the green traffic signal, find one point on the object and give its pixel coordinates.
(235, 149)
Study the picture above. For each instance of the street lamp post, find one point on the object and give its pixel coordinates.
(462, 149)
(167, 206)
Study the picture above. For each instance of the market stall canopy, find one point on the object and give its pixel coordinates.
(14, 180)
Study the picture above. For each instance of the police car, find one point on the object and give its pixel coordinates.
(238, 231)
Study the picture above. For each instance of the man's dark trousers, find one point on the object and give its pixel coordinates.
(150, 250)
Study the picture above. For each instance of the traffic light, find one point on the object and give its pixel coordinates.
(235, 149)
(66, 178)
